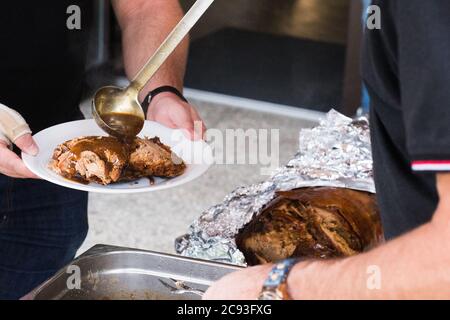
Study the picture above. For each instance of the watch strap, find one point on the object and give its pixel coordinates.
(152, 94)
(275, 286)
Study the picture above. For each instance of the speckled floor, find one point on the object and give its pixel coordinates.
(153, 220)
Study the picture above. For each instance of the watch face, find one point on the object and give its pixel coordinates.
(269, 295)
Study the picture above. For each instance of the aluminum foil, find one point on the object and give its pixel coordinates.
(337, 153)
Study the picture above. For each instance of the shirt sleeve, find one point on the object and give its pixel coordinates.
(423, 33)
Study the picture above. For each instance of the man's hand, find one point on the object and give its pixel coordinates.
(10, 164)
(241, 285)
(169, 110)
(13, 127)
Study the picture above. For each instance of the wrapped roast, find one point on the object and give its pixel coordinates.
(320, 222)
(320, 205)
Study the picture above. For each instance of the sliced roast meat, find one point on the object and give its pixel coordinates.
(97, 159)
(107, 160)
(149, 157)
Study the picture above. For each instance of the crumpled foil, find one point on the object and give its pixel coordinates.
(337, 153)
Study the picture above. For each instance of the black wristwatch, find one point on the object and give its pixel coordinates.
(152, 94)
(275, 287)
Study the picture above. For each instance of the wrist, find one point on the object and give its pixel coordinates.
(294, 280)
(161, 93)
(276, 287)
(163, 96)
(306, 277)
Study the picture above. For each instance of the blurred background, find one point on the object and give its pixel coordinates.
(302, 53)
(260, 64)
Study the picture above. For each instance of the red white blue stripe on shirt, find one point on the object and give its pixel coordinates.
(431, 165)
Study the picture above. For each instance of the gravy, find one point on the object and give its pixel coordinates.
(124, 123)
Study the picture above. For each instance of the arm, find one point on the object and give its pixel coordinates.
(416, 265)
(145, 24)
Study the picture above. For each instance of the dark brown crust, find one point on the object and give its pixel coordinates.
(312, 223)
(150, 157)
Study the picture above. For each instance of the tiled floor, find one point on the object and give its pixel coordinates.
(152, 221)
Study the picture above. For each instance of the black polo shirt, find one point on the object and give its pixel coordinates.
(42, 62)
(407, 71)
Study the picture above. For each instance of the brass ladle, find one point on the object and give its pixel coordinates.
(117, 110)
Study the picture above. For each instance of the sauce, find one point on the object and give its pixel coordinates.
(124, 124)
(104, 148)
(100, 145)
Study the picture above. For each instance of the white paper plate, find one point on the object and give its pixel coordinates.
(196, 154)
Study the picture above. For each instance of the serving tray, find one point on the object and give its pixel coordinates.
(115, 273)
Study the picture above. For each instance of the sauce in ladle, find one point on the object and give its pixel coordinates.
(123, 124)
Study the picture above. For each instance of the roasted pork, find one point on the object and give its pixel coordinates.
(107, 160)
(312, 223)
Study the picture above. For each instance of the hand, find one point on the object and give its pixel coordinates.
(240, 285)
(14, 128)
(169, 110)
(10, 164)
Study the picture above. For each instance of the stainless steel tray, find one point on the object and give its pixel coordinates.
(108, 272)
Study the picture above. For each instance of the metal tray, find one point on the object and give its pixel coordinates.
(108, 272)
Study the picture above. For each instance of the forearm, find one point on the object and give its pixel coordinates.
(145, 24)
(416, 265)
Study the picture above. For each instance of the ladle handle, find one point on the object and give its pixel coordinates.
(170, 44)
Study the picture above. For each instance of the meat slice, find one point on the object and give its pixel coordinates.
(107, 160)
(86, 159)
(150, 157)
